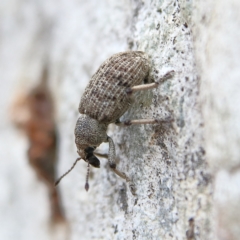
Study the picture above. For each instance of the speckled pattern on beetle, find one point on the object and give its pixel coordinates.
(107, 97)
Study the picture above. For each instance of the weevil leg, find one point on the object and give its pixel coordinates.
(111, 160)
(143, 121)
(103, 155)
(150, 85)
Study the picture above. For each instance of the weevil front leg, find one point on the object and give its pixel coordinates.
(111, 160)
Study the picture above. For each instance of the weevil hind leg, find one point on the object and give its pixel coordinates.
(144, 121)
(142, 87)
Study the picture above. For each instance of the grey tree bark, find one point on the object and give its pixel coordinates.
(217, 52)
(178, 196)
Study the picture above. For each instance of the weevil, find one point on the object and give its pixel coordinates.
(107, 97)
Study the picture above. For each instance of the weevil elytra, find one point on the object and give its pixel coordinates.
(107, 97)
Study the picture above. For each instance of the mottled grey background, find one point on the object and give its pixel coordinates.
(178, 195)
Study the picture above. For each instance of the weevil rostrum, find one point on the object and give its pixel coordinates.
(107, 97)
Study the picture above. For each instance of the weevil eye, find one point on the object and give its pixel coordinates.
(94, 161)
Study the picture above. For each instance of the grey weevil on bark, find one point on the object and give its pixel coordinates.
(107, 97)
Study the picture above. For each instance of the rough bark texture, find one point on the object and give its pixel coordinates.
(217, 50)
(167, 162)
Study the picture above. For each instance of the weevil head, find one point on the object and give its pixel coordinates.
(89, 134)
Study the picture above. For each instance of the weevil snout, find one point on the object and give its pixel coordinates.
(91, 158)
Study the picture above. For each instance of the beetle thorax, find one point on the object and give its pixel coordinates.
(89, 132)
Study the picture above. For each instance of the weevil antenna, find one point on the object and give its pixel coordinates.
(87, 176)
(66, 173)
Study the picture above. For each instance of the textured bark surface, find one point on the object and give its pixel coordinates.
(217, 50)
(167, 162)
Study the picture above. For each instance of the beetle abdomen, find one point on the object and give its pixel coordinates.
(105, 98)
